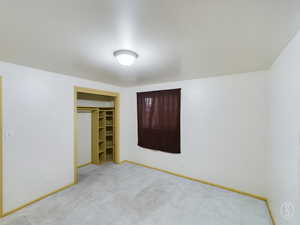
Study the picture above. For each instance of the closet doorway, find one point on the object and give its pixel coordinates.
(96, 122)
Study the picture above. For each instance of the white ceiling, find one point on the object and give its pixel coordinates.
(175, 39)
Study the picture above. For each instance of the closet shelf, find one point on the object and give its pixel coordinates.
(104, 125)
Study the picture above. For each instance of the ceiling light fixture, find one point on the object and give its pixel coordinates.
(125, 57)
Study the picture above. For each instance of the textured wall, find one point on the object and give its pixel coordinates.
(223, 125)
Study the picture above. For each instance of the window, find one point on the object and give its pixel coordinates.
(159, 120)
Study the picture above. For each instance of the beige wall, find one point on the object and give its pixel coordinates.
(223, 125)
(284, 132)
(38, 131)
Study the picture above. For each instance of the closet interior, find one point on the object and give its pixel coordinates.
(102, 127)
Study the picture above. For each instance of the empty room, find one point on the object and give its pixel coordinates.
(139, 112)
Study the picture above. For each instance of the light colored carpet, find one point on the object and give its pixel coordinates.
(132, 195)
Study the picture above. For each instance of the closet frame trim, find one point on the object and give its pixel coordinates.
(116, 97)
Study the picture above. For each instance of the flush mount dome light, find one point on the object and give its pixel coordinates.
(125, 57)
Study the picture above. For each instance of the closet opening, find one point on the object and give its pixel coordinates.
(96, 128)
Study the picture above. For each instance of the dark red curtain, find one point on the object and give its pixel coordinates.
(159, 120)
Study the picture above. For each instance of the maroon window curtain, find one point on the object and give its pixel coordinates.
(159, 120)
